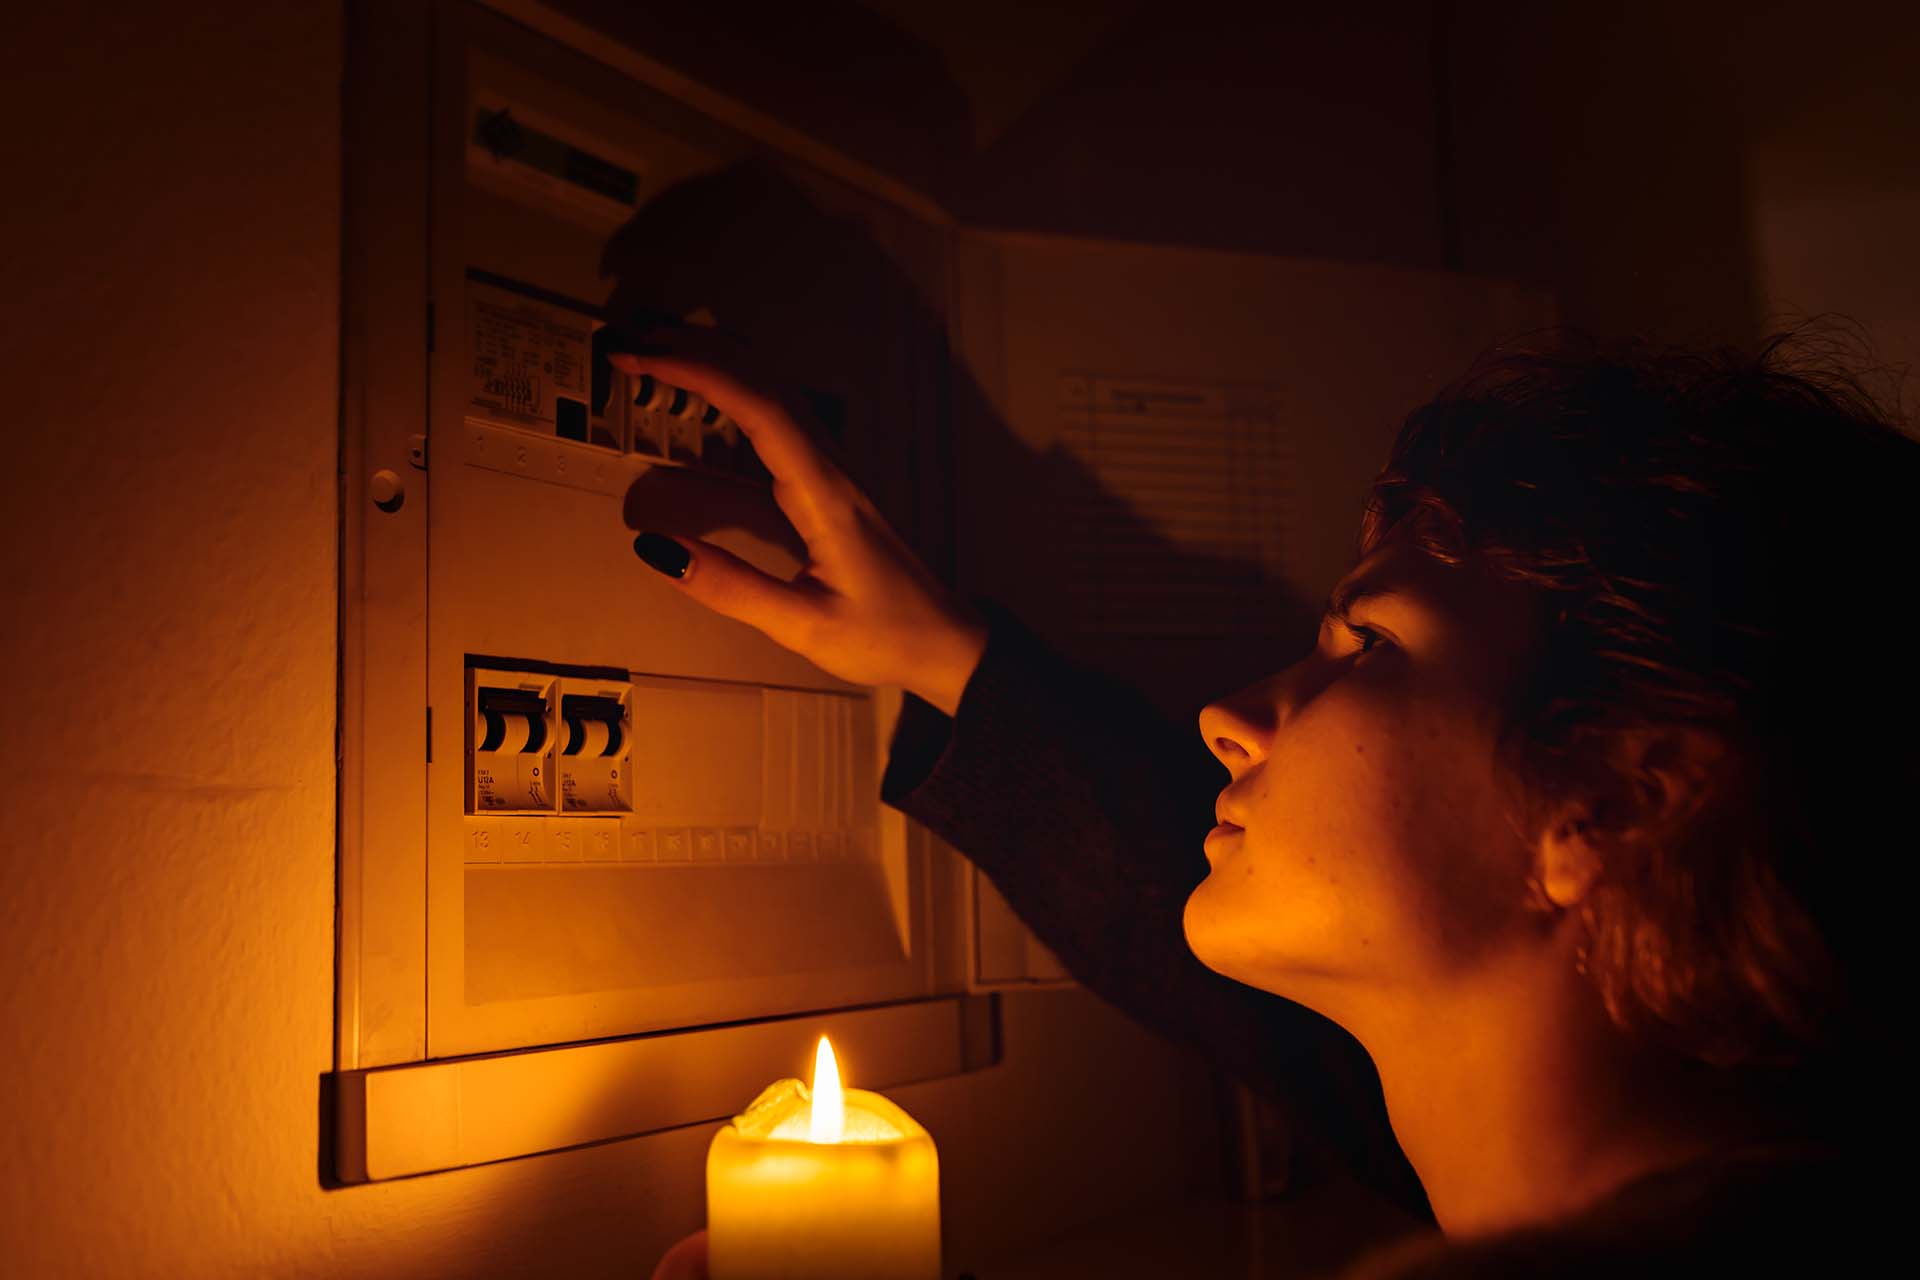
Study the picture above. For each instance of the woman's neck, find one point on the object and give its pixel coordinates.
(1518, 1102)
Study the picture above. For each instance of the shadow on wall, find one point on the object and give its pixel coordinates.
(1598, 150)
(810, 291)
(1301, 130)
(818, 68)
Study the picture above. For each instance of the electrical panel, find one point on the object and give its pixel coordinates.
(641, 815)
(583, 817)
(609, 811)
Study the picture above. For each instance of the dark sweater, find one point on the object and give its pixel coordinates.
(1786, 1210)
(1087, 808)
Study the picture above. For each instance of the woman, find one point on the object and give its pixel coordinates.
(1571, 817)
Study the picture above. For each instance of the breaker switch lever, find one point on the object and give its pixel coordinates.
(498, 706)
(580, 711)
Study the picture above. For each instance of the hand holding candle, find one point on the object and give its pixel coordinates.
(806, 1185)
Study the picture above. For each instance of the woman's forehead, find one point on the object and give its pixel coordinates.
(1398, 571)
(1394, 566)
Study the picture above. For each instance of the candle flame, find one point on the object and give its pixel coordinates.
(829, 1118)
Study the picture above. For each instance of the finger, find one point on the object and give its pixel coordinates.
(782, 445)
(728, 585)
(776, 437)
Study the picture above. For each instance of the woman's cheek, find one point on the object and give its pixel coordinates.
(1225, 930)
(1289, 897)
(1327, 878)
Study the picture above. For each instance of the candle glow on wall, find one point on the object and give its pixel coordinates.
(823, 1182)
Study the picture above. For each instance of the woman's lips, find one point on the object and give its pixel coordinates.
(1217, 837)
(1225, 828)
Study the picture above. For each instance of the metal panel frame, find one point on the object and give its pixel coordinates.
(381, 903)
(396, 1122)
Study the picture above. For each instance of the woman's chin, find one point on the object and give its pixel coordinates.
(1225, 938)
(1216, 938)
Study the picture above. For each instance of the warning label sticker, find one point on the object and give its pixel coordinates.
(528, 357)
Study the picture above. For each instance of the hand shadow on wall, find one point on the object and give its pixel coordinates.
(823, 309)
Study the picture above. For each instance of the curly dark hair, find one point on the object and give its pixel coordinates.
(1706, 532)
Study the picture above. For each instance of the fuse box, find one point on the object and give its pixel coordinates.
(584, 818)
(609, 813)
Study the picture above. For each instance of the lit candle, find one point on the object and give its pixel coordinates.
(810, 1184)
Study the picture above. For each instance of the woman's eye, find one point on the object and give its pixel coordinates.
(1365, 637)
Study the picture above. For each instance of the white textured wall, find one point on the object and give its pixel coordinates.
(168, 371)
(171, 301)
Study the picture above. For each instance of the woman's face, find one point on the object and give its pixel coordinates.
(1366, 840)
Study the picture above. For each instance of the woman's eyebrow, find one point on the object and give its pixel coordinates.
(1348, 594)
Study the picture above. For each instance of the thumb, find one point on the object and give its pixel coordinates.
(728, 585)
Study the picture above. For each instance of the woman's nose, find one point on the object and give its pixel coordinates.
(1239, 728)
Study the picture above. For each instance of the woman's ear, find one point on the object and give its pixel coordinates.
(1569, 864)
(1657, 779)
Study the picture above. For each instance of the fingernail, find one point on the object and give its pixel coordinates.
(638, 349)
(662, 553)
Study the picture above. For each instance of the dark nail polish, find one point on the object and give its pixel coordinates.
(642, 349)
(662, 553)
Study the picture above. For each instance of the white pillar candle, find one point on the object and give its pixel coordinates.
(818, 1184)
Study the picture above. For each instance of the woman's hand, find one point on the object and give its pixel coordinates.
(864, 608)
(685, 1261)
